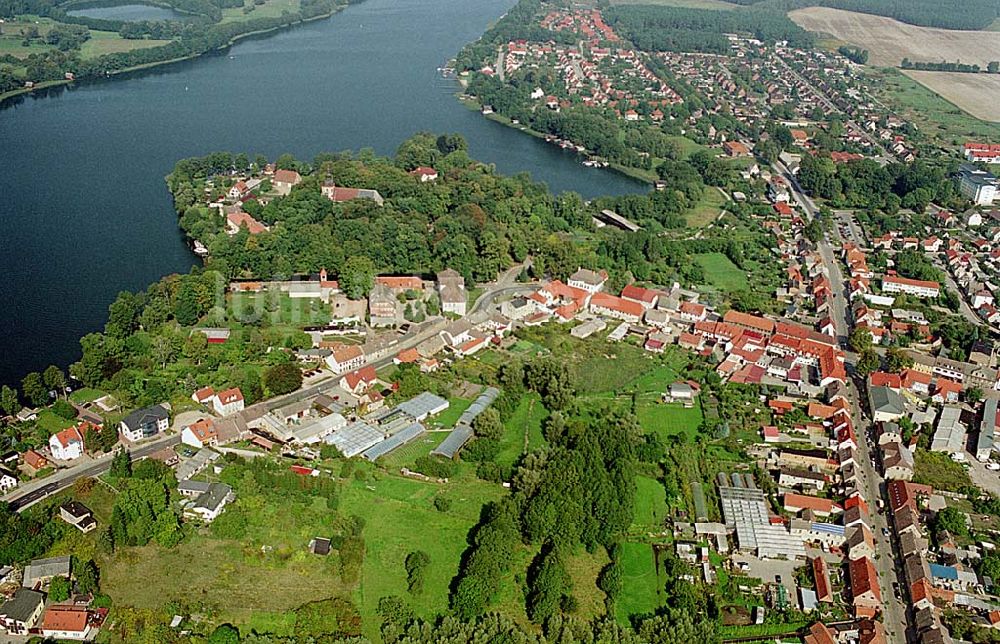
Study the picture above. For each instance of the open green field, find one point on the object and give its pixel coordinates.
(670, 419)
(707, 210)
(52, 423)
(85, 395)
(944, 122)
(642, 589)
(650, 503)
(109, 42)
(282, 309)
(456, 407)
(722, 273)
(399, 518)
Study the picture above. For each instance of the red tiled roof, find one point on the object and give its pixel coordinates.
(615, 303)
(65, 618)
(639, 294)
(815, 503)
(364, 375)
(864, 578)
(746, 320)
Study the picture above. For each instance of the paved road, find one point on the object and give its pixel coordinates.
(871, 482)
(34, 491)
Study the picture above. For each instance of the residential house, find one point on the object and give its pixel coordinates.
(66, 622)
(67, 445)
(359, 380)
(615, 307)
(40, 572)
(228, 402)
(885, 404)
(865, 592)
(382, 306)
(345, 359)
(143, 423)
(201, 433)
(284, 180)
(78, 515)
(210, 503)
(20, 613)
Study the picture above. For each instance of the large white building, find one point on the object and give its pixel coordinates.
(978, 185)
(67, 444)
(917, 288)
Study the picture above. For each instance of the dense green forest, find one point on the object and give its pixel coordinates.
(662, 28)
(474, 220)
(203, 33)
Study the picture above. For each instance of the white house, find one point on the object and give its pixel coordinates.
(588, 280)
(66, 622)
(346, 359)
(201, 433)
(228, 402)
(209, 505)
(67, 444)
(7, 482)
(451, 291)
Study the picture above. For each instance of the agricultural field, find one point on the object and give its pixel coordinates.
(944, 122)
(109, 42)
(975, 93)
(889, 41)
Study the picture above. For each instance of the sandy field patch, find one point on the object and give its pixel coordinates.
(888, 41)
(977, 94)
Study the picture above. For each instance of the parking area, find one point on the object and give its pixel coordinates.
(770, 570)
(982, 477)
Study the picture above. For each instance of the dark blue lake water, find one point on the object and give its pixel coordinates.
(85, 213)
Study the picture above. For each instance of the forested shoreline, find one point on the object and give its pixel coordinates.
(202, 34)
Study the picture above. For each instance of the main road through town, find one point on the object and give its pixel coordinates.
(871, 483)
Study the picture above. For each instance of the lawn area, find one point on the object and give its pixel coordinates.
(612, 367)
(669, 419)
(407, 454)
(650, 503)
(942, 121)
(399, 518)
(51, 423)
(298, 312)
(641, 593)
(448, 418)
(85, 395)
(707, 209)
(721, 272)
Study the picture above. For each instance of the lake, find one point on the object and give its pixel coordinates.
(85, 211)
(129, 13)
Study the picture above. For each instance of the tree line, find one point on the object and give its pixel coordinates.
(664, 28)
(943, 66)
